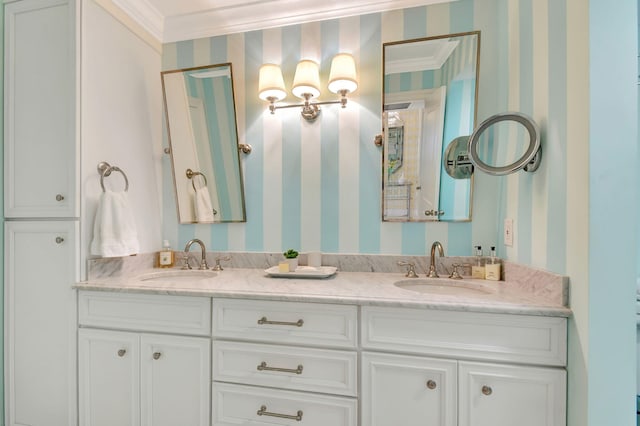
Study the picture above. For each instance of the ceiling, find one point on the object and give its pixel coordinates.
(175, 20)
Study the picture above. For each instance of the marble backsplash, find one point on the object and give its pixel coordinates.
(515, 274)
(117, 266)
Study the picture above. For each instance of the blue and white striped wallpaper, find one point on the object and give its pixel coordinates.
(317, 186)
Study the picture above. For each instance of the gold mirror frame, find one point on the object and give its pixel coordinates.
(455, 61)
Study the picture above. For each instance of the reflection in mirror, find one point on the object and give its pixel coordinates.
(201, 122)
(395, 141)
(430, 88)
(456, 158)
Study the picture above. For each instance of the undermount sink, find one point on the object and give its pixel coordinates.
(177, 276)
(443, 286)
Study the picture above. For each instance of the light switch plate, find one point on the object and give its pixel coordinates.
(508, 232)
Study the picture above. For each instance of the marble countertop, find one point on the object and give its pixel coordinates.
(525, 296)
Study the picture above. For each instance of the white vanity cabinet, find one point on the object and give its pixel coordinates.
(144, 376)
(279, 363)
(161, 360)
(40, 143)
(485, 352)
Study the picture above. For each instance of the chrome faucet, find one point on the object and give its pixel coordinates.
(203, 262)
(433, 273)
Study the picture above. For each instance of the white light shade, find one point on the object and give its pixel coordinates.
(271, 83)
(306, 79)
(343, 74)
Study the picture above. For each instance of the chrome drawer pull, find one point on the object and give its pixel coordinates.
(264, 320)
(59, 197)
(263, 366)
(431, 384)
(263, 412)
(486, 390)
(157, 355)
(59, 240)
(121, 352)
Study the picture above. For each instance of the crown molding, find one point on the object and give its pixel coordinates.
(409, 59)
(252, 15)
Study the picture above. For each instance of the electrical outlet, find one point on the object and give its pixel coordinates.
(508, 232)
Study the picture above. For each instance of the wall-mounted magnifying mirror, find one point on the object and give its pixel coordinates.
(203, 136)
(430, 98)
(506, 143)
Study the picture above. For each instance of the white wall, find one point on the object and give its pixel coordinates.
(121, 101)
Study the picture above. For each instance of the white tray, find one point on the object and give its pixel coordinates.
(303, 272)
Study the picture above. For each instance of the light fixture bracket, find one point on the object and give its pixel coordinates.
(309, 110)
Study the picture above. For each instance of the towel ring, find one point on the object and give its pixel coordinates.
(105, 169)
(191, 175)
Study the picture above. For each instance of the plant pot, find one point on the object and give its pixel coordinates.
(293, 264)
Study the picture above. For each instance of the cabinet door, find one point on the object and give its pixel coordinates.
(506, 395)
(40, 326)
(40, 98)
(109, 378)
(175, 380)
(408, 391)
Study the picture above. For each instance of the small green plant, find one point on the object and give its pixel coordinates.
(290, 254)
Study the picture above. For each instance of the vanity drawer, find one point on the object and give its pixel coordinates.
(311, 324)
(242, 405)
(145, 312)
(287, 367)
(521, 339)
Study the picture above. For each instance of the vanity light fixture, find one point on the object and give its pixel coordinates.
(306, 84)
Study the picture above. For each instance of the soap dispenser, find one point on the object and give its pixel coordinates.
(492, 269)
(477, 269)
(166, 257)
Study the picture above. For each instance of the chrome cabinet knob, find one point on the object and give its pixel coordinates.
(431, 384)
(157, 355)
(59, 240)
(486, 390)
(59, 197)
(121, 352)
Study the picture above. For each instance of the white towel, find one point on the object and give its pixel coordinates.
(202, 205)
(114, 229)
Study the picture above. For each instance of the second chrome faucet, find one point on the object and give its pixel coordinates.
(433, 266)
(433, 270)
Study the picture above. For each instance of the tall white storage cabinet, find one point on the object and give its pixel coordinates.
(39, 338)
(40, 98)
(41, 212)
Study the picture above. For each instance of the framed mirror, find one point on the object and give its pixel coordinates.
(430, 86)
(203, 137)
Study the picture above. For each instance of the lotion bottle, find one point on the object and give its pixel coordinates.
(166, 257)
(478, 270)
(492, 269)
